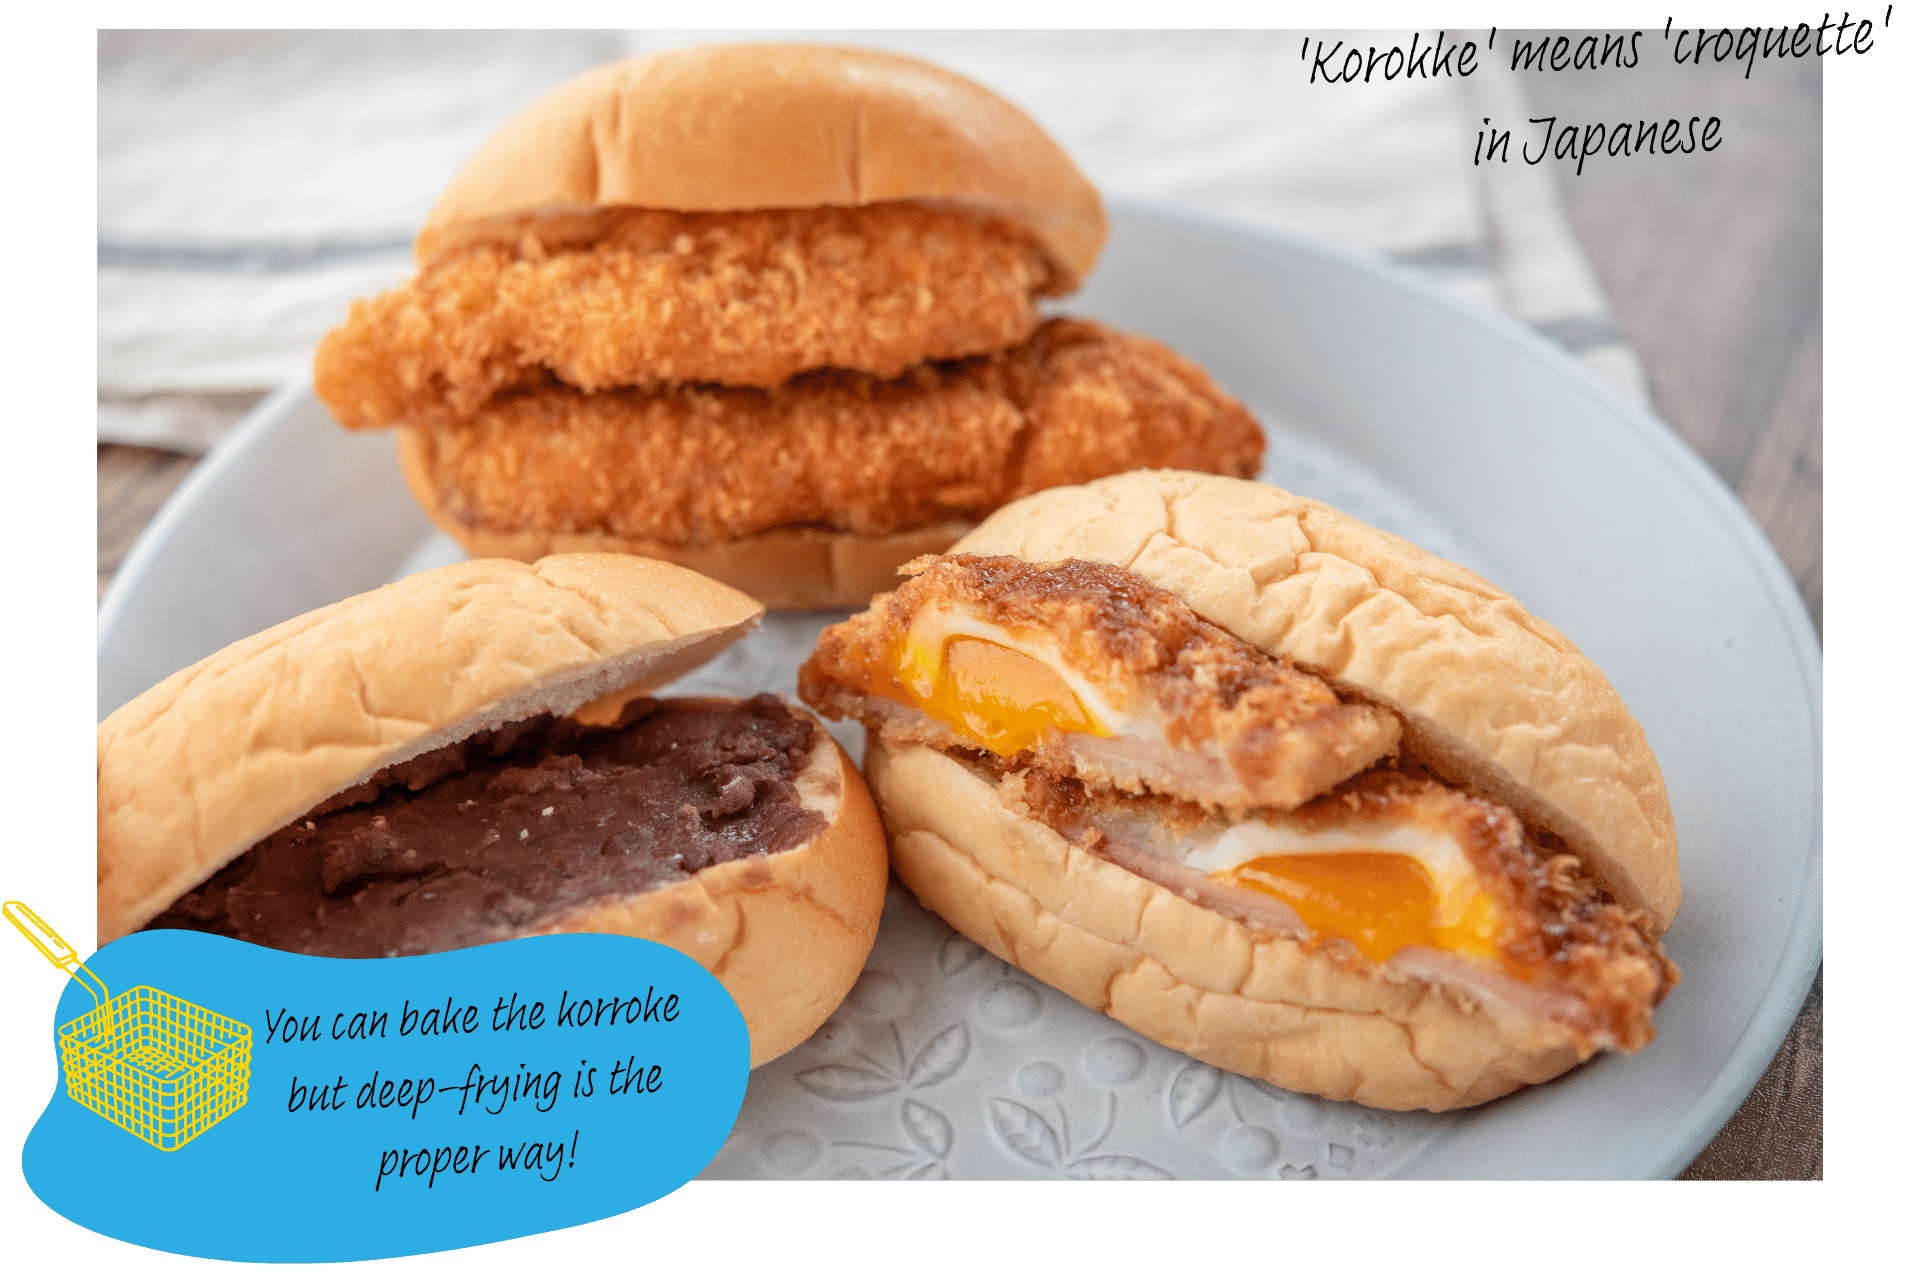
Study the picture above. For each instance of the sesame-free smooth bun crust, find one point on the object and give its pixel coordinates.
(731, 127)
(1491, 697)
(782, 568)
(214, 758)
(1187, 976)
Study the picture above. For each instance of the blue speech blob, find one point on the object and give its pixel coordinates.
(336, 1110)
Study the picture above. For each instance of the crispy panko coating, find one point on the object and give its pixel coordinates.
(1232, 727)
(744, 299)
(1561, 930)
(840, 451)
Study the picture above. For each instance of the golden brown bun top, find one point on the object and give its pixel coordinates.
(215, 758)
(1492, 697)
(730, 127)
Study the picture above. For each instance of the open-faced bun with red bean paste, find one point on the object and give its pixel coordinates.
(470, 755)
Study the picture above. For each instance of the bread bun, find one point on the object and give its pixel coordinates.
(732, 127)
(758, 923)
(782, 568)
(1184, 975)
(1491, 697)
(203, 766)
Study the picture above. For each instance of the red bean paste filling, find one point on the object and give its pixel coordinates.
(484, 838)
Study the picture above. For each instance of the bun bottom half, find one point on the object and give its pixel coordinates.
(782, 568)
(1241, 999)
(786, 933)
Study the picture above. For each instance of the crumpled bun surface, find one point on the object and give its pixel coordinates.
(218, 756)
(1243, 999)
(1491, 697)
(732, 127)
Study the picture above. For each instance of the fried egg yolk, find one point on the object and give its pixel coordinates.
(1381, 891)
(1414, 887)
(1380, 902)
(987, 689)
(997, 696)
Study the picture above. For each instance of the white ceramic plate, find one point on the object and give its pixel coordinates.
(1383, 397)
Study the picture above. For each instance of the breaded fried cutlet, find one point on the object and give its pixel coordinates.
(846, 452)
(1554, 921)
(746, 299)
(770, 311)
(1087, 670)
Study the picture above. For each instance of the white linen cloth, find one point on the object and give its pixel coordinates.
(252, 184)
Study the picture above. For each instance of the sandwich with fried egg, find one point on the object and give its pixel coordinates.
(1269, 786)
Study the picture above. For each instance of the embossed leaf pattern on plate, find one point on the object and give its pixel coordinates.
(927, 1128)
(957, 952)
(942, 1057)
(917, 1076)
(845, 1084)
(1116, 1169)
(1192, 1090)
(1025, 1132)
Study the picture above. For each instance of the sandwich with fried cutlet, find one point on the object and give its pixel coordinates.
(1269, 786)
(768, 311)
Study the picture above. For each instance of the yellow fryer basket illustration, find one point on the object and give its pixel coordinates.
(161, 1068)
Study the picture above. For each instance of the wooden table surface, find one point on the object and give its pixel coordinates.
(1713, 266)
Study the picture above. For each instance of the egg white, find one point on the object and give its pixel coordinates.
(1455, 881)
(933, 627)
